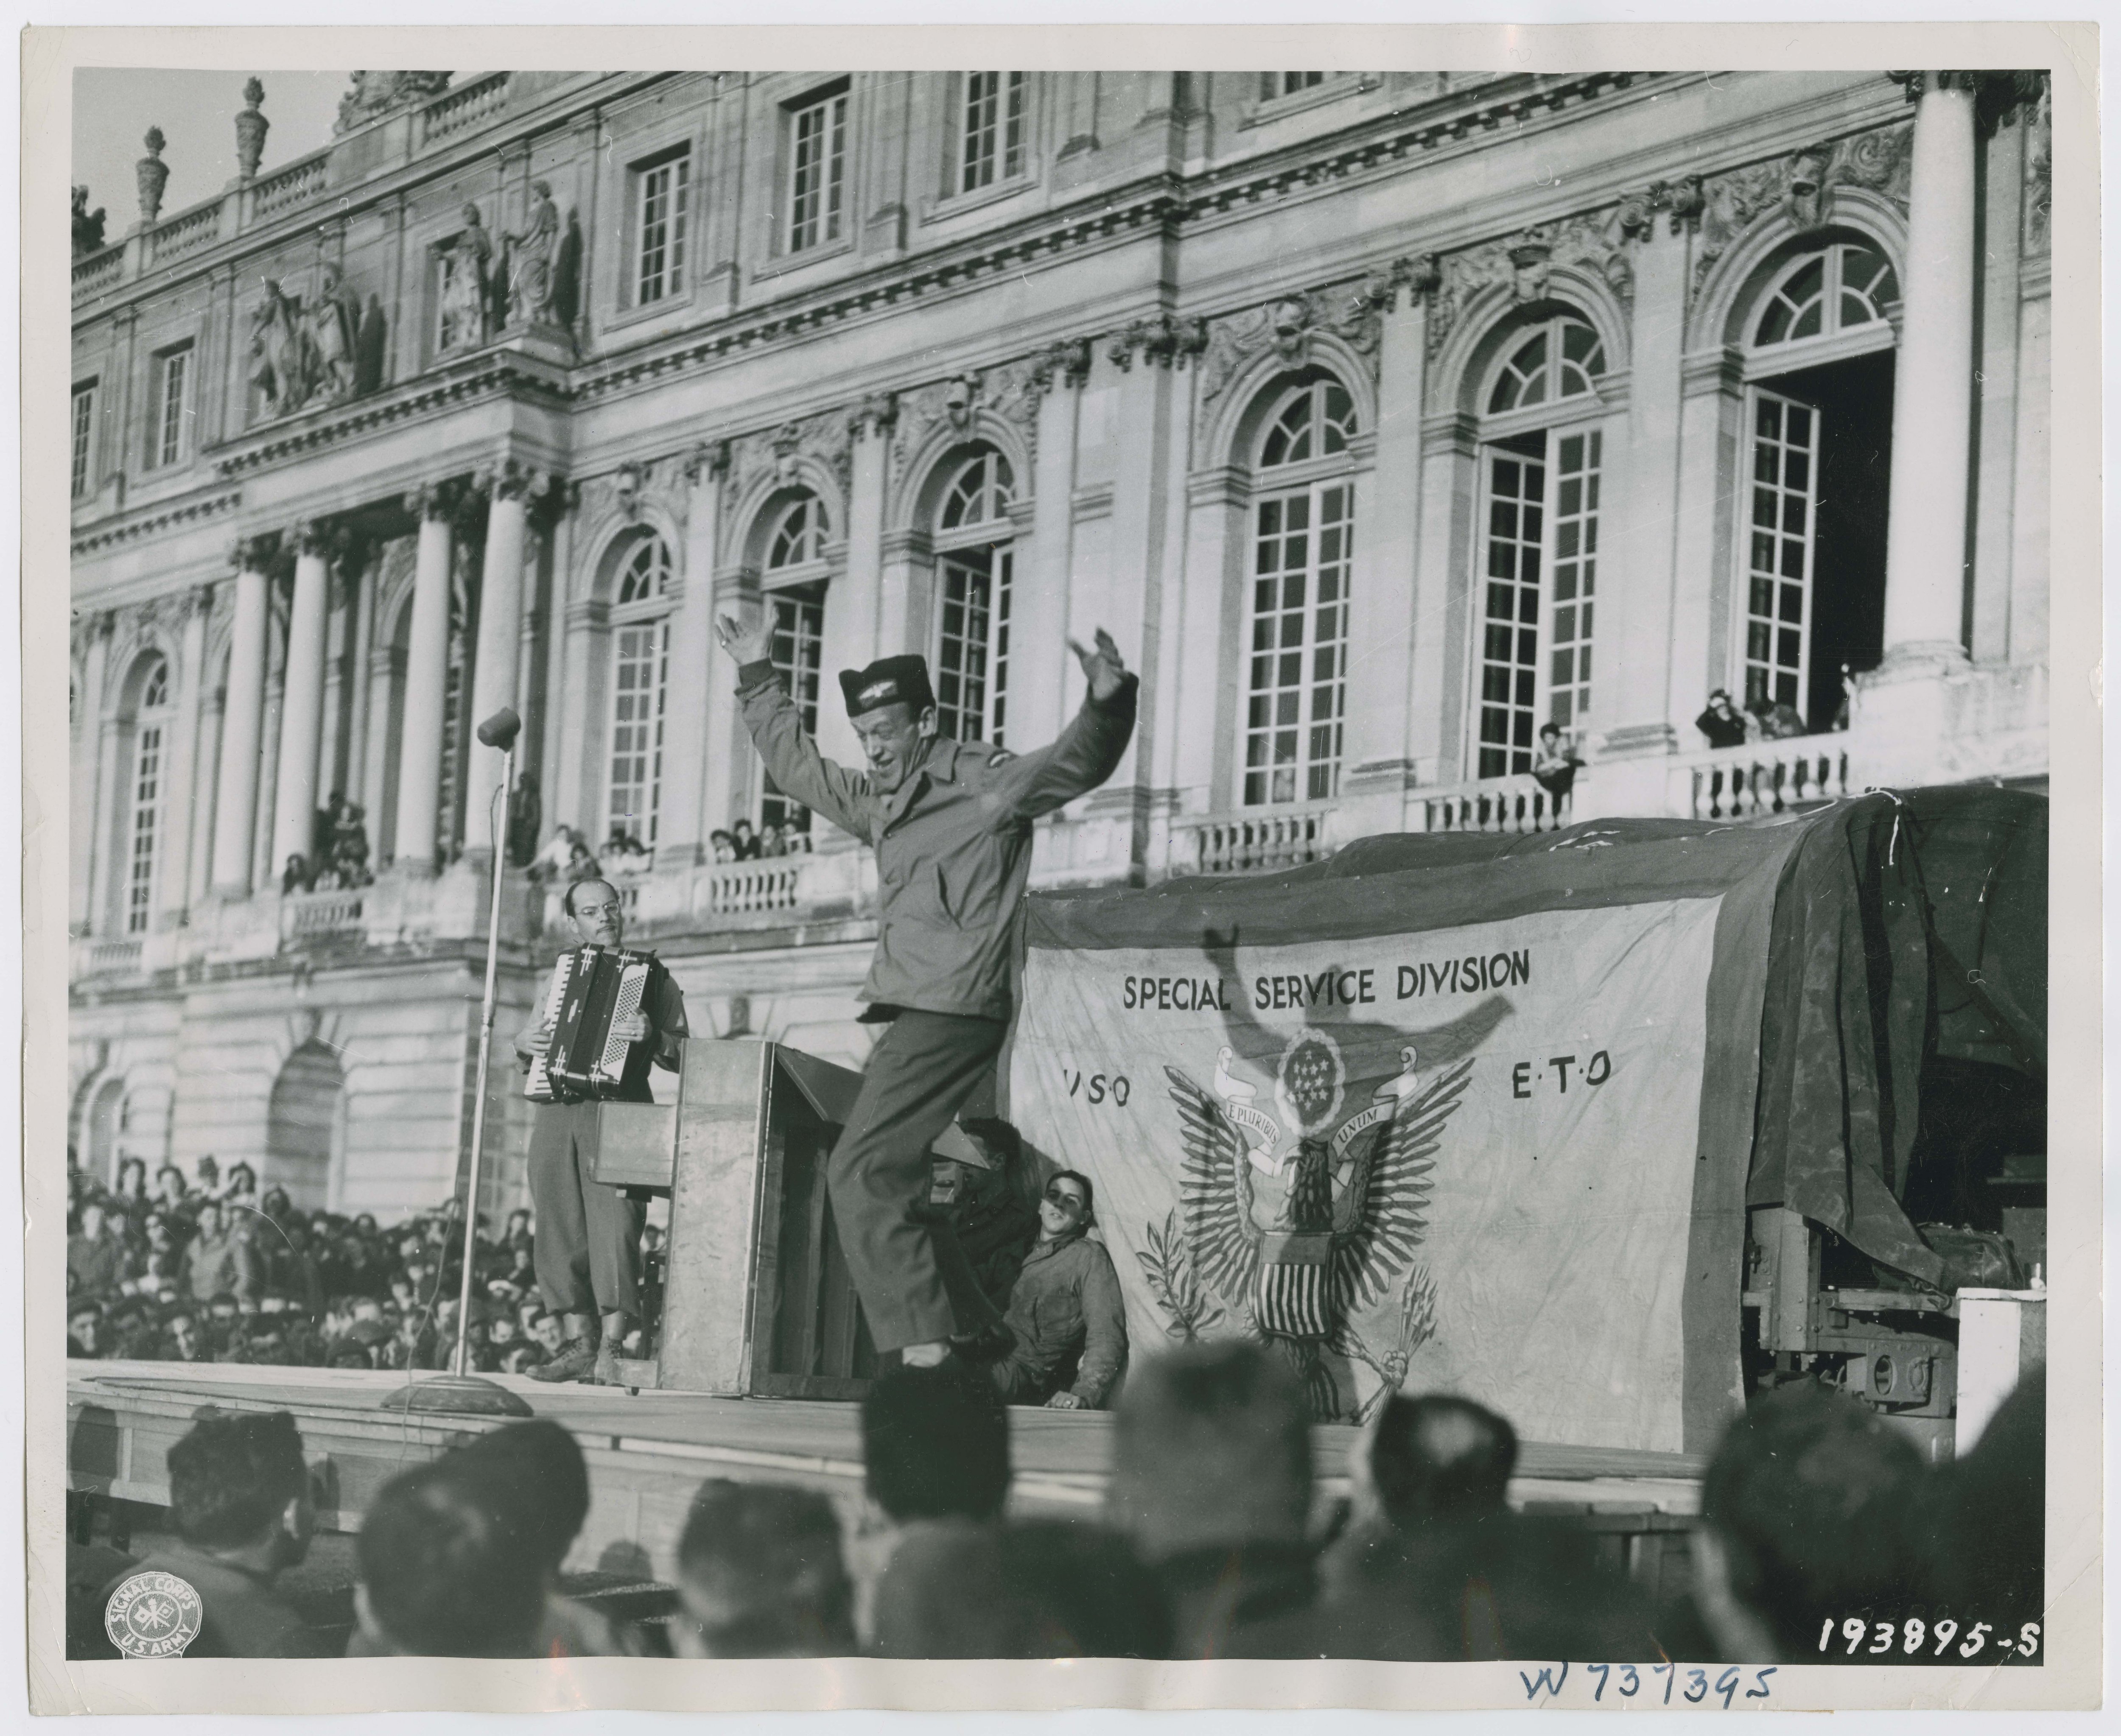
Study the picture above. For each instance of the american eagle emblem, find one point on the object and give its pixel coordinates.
(1351, 1218)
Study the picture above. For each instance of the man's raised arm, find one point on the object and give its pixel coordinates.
(1089, 751)
(791, 757)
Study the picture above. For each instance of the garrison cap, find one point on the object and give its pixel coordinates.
(887, 681)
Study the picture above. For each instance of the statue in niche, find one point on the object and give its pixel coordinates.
(369, 345)
(282, 369)
(567, 274)
(87, 224)
(465, 289)
(533, 259)
(333, 322)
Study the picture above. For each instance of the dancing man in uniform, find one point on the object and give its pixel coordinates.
(587, 1243)
(950, 822)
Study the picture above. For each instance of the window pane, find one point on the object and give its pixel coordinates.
(1779, 588)
(1297, 697)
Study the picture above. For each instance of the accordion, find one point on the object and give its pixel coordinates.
(593, 987)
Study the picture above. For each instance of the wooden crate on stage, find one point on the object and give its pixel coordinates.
(756, 1299)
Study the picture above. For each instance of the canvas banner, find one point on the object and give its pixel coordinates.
(1456, 1159)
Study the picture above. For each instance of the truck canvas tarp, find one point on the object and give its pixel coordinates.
(1485, 1114)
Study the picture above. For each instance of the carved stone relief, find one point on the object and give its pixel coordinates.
(951, 400)
(1524, 262)
(1162, 338)
(1802, 185)
(663, 483)
(1351, 311)
(825, 438)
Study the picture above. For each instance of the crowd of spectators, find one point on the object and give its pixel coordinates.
(1214, 1541)
(208, 1269)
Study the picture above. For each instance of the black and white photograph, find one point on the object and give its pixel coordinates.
(934, 865)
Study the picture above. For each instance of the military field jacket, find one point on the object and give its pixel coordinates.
(952, 843)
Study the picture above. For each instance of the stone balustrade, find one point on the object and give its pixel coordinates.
(1518, 803)
(1249, 843)
(1758, 778)
(465, 106)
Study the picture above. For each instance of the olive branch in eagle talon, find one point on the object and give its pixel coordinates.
(1173, 1281)
(1379, 1220)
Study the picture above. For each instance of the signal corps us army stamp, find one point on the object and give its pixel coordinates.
(153, 1615)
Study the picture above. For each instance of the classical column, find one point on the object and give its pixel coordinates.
(88, 790)
(1932, 383)
(1637, 709)
(301, 706)
(173, 889)
(1038, 657)
(700, 685)
(204, 809)
(1450, 477)
(1383, 614)
(427, 680)
(510, 486)
(853, 601)
(235, 802)
(107, 827)
(367, 584)
(1126, 603)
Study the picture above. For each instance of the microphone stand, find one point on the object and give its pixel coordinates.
(460, 1389)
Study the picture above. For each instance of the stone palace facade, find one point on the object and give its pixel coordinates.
(1382, 417)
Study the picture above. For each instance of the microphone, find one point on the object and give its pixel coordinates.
(500, 730)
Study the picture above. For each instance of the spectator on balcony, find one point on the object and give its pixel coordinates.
(552, 862)
(1723, 723)
(349, 858)
(323, 829)
(744, 836)
(1842, 712)
(723, 845)
(296, 877)
(624, 854)
(1554, 763)
(1774, 720)
(581, 865)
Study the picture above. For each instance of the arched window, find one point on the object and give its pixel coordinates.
(305, 1128)
(639, 666)
(1823, 294)
(976, 567)
(1542, 465)
(795, 579)
(1297, 632)
(144, 797)
(1818, 364)
(1562, 358)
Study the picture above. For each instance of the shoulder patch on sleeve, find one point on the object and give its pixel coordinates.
(999, 757)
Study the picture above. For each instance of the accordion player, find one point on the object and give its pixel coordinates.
(593, 989)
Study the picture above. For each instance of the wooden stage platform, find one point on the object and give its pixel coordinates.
(648, 1451)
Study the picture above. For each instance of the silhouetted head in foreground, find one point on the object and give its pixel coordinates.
(1436, 1458)
(935, 1444)
(1211, 1449)
(444, 1573)
(761, 1575)
(1806, 1515)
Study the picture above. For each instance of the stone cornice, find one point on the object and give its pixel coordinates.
(199, 509)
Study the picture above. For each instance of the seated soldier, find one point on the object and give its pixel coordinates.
(239, 1500)
(1065, 1311)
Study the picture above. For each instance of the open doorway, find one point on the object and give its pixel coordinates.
(1821, 477)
